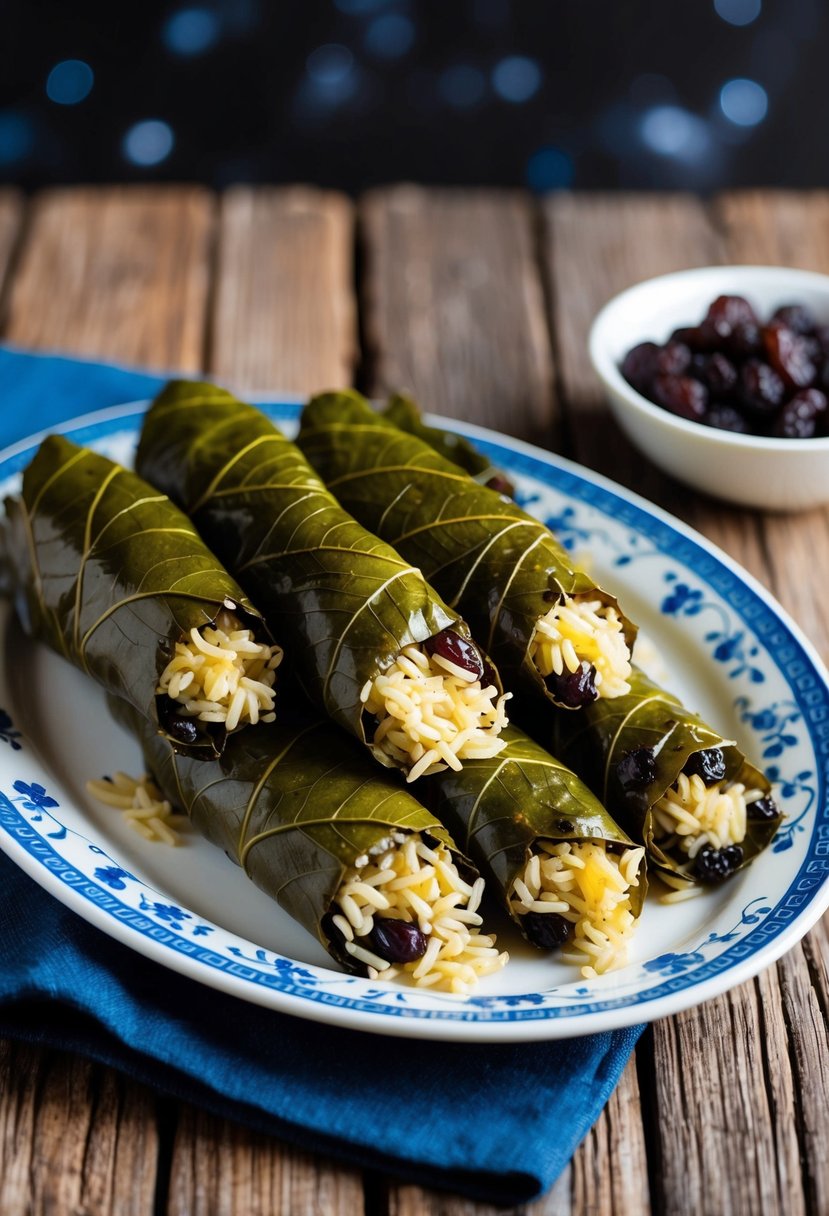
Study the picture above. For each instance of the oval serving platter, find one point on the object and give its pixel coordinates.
(717, 638)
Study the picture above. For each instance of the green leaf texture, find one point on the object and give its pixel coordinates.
(343, 602)
(595, 740)
(497, 809)
(402, 412)
(294, 805)
(489, 559)
(110, 574)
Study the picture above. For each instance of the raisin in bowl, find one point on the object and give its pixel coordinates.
(772, 471)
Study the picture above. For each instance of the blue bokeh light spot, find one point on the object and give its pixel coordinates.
(744, 102)
(149, 142)
(516, 78)
(69, 82)
(675, 132)
(390, 36)
(17, 137)
(462, 86)
(358, 8)
(190, 31)
(738, 12)
(331, 77)
(549, 169)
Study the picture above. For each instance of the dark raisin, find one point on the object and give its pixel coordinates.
(699, 367)
(370, 724)
(801, 417)
(762, 808)
(574, 688)
(183, 730)
(637, 768)
(708, 764)
(727, 417)
(727, 312)
(682, 395)
(761, 389)
(397, 941)
(689, 336)
(564, 826)
(490, 677)
(788, 353)
(547, 930)
(450, 646)
(639, 366)
(721, 376)
(745, 340)
(500, 484)
(331, 931)
(821, 336)
(715, 865)
(673, 359)
(796, 317)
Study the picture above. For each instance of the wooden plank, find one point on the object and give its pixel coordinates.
(220, 1169)
(285, 316)
(453, 307)
(74, 1137)
(11, 219)
(413, 1201)
(610, 1171)
(596, 246)
(117, 273)
(121, 274)
(776, 227)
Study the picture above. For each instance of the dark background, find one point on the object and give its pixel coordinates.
(350, 93)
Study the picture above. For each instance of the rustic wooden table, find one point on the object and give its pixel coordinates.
(479, 302)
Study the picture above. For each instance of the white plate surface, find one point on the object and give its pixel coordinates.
(733, 655)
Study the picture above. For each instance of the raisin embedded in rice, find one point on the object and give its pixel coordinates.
(715, 865)
(574, 688)
(547, 930)
(762, 808)
(397, 941)
(708, 764)
(449, 645)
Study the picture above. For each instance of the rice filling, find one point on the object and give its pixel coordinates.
(404, 909)
(587, 886)
(220, 673)
(582, 633)
(142, 806)
(432, 714)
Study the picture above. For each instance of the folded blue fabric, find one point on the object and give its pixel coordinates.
(494, 1122)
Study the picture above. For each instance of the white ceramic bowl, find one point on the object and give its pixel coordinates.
(773, 474)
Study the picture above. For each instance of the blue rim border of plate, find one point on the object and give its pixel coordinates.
(808, 686)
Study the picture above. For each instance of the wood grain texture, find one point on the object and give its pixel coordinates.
(776, 227)
(412, 1201)
(610, 1171)
(284, 315)
(453, 308)
(220, 1169)
(116, 273)
(74, 1137)
(11, 219)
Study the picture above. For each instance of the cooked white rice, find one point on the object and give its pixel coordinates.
(142, 806)
(691, 816)
(577, 630)
(589, 886)
(406, 879)
(222, 674)
(432, 714)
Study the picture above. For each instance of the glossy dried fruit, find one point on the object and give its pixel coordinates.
(682, 395)
(788, 353)
(727, 417)
(796, 317)
(726, 313)
(762, 808)
(639, 366)
(574, 688)
(745, 340)
(397, 941)
(673, 359)
(761, 389)
(715, 865)
(803, 416)
(462, 653)
(547, 930)
(708, 764)
(721, 376)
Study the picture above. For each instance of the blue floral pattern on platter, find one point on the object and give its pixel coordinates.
(777, 692)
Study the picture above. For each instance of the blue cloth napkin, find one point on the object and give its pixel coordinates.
(497, 1123)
